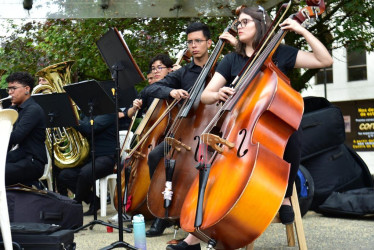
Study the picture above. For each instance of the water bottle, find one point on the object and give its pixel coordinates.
(139, 231)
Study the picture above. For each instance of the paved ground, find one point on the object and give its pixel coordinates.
(321, 233)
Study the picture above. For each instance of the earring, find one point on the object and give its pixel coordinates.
(27, 92)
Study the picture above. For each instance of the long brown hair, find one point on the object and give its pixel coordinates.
(262, 23)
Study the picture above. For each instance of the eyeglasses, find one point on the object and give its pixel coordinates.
(243, 22)
(196, 41)
(158, 68)
(11, 89)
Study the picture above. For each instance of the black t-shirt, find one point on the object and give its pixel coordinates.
(231, 65)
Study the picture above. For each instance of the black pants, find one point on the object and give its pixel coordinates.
(79, 179)
(292, 154)
(23, 171)
(154, 157)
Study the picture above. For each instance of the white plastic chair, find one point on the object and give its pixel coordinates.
(47, 175)
(109, 181)
(7, 118)
(102, 186)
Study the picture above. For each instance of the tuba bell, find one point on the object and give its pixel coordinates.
(7, 119)
(70, 147)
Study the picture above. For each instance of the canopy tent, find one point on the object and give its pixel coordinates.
(13, 9)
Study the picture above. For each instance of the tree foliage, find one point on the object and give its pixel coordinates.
(345, 23)
(34, 45)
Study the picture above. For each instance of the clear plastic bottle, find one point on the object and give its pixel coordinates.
(139, 232)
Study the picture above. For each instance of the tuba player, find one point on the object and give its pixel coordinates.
(27, 156)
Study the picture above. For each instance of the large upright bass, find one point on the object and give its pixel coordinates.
(241, 187)
(174, 175)
(151, 130)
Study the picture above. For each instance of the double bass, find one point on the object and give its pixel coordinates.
(175, 173)
(149, 133)
(242, 185)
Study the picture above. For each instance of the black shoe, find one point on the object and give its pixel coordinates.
(183, 246)
(286, 214)
(158, 227)
(91, 210)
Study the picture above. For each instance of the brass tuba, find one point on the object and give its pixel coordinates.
(70, 147)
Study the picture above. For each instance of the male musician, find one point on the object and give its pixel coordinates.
(150, 78)
(177, 85)
(79, 179)
(42, 81)
(165, 64)
(27, 156)
(159, 66)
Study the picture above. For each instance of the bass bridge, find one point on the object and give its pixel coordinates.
(215, 140)
(177, 145)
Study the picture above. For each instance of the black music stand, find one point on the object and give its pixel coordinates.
(126, 74)
(3, 93)
(125, 97)
(58, 112)
(93, 102)
(6, 103)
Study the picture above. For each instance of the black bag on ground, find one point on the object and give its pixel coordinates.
(33, 228)
(35, 236)
(305, 189)
(32, 205)
(336, 170)
(357, 202)
(323, 127)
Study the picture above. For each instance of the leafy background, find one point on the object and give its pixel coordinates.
(32, 45)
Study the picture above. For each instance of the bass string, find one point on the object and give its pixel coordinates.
(249, 73)
(197, 86)
(170, 107)
(195, 91)
(246, 77)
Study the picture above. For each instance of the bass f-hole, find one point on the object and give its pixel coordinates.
(197, 138)
(241, 143)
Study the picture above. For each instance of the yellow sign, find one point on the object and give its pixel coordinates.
(359, 123)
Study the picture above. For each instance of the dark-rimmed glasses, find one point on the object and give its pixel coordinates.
(11, 89)
(158, 68)
(243, 22)
(196, 41)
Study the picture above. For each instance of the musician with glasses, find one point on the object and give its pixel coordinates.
(27, 156)
(252, 26)
(159, 66)
(176, 85)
